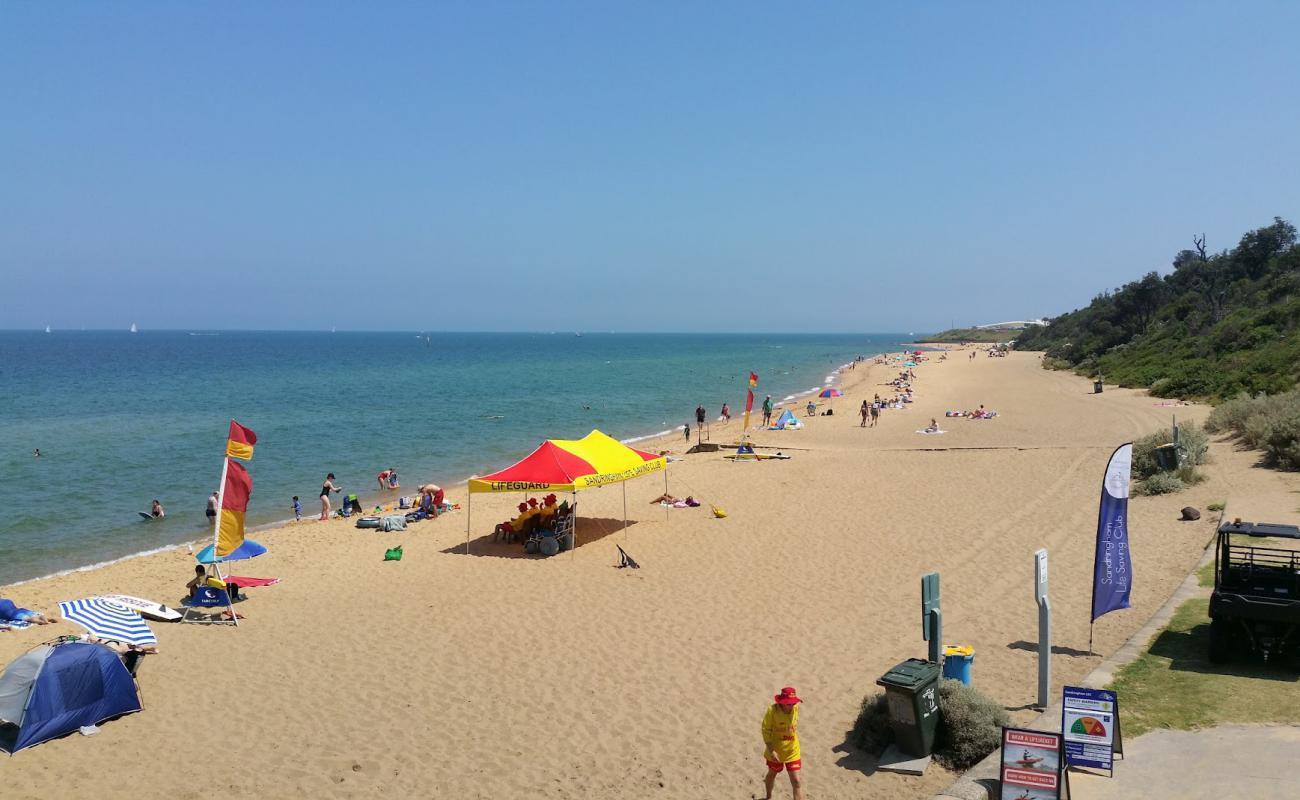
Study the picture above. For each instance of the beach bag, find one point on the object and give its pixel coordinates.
(717, 512)
(403, 502)
(394, 522)
(393, 553)
(368, 522)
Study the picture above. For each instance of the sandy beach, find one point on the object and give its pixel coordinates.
(494, 675)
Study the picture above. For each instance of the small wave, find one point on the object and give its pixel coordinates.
(110, 562)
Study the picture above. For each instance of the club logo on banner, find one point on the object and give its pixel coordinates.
(1112, 571)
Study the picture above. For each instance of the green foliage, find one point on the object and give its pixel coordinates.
(970, 725)
(1266, 422)
(1217, 325)
(871, 730)
(1160, 483)
(1216, 506)
(1195, 447)
(978, 335)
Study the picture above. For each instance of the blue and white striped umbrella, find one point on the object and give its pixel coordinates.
(108, 620)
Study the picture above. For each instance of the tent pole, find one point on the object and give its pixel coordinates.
(469, 512)
(665, 491)
(574, 549)
(624, 510)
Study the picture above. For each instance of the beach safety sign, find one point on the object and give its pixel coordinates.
(1089, 721)
(1031, 765)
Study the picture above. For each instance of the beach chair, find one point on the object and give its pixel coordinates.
(206, 597)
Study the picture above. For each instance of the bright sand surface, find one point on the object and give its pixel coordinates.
(491, 676)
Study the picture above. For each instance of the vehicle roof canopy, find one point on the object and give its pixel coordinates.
(1261, 529)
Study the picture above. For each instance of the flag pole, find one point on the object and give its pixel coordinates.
(216, 534)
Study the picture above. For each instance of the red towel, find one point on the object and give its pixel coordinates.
(244, 583)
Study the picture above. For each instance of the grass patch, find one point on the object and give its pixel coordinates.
(1205, 575)
(1174, 685)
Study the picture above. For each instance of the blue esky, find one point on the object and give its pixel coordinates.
(628, 166)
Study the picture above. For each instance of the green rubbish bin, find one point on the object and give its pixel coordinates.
(1167, 457)
(912, 691)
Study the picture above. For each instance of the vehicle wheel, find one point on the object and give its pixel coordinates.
(1220, 641)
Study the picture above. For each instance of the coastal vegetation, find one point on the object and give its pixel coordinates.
(970, 725)
(1218, 325)
(1265, 422)
(976, 335)
(1194, 448)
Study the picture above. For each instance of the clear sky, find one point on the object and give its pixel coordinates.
(626, 166)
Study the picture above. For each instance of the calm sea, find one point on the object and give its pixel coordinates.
(121, 418)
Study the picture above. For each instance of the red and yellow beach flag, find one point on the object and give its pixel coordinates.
(234, 504)
(749, 398)
(240, 442)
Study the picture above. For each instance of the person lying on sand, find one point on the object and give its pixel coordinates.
(663, 498)
(9, 612)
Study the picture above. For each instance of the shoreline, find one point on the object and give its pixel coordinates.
(369, 499)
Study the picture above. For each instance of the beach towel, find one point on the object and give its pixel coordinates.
(930, 433)
(15, 624)
(245, 583)
(394, 522)
(625, 560)
(393, 553)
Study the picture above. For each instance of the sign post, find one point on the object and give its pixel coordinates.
(931, 619)
(1044, 628)
(1032, 766)
(1090, 727)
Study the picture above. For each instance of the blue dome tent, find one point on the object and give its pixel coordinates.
(54, 689)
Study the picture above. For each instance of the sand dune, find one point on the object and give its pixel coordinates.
(485, 676)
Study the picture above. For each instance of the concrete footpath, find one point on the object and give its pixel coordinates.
(1230, 761)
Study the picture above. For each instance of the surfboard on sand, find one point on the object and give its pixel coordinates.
(145, 608)
(757, 456)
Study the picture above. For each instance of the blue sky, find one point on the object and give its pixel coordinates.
(626, 166)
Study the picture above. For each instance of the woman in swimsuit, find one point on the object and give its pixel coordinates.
(325, 495)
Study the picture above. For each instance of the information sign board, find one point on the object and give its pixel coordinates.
(1031, 765)
(1089, 723)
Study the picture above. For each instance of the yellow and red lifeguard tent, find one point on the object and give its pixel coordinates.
(570, 465)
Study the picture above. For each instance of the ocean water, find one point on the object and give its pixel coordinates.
(121, 418)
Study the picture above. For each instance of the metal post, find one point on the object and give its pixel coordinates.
(625, 510)
(931, 618)
(216, 534)
(1044, 628)
(469, 512)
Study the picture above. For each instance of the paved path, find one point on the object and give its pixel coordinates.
(1231, 761)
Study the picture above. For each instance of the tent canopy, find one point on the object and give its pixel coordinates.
(567, 465)
(787, 421)
(53, 690)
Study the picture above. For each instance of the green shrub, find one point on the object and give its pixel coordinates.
(1159, 483)
(970, 725)
(1216, 506)
(1195, 446)
(871, 730)
(1189, 475)
(1266, 422)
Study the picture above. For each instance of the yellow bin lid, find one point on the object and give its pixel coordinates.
(959, 650)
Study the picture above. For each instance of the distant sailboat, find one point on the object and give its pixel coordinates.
(47, 328)
(334, 330)
(134, 329)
